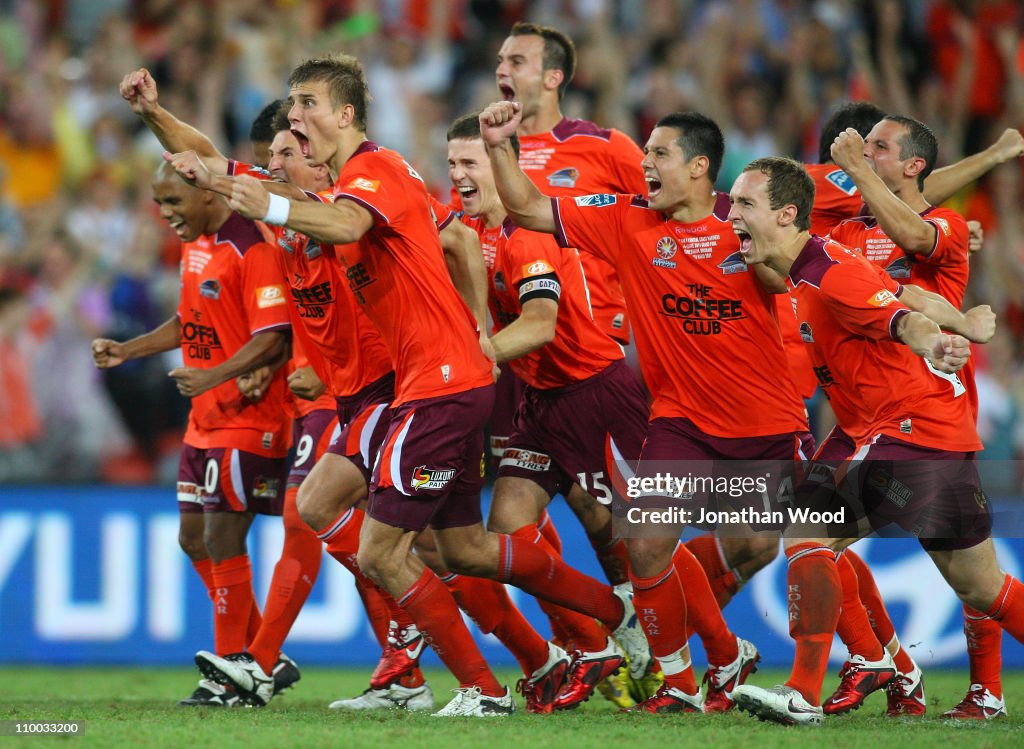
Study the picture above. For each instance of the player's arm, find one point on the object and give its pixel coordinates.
(527, 206)
(107, 353)
(946, 353)
(263, 349)
(340, 222)
(978, 324)
(897, 219)
(206, 175)
(465, 262)
(139, 89)
(535, 327)
(944, 183)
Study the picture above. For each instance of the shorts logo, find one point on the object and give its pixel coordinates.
(210, 288)
(446, 371)
(806, 334)
(528, 460)
(899, 268)
(881, 298)
(842, 180)
(431, 478)
(733, 264)
(943, 224)
(564, 177)
(368, 185)
(269, 296)
(498, 445)
(595, 201)
(618, 321)
(264, 488)
(906, 426)
(666, 249)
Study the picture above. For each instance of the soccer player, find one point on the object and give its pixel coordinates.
(854, 314)
(350, 357)
(581, 410)
(566, 157)
(230, 317)
(689, 302)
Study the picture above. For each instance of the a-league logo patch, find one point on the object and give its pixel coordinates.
(666, 249)
(431, 478)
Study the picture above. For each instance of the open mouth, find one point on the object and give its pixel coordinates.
(746, 243)
(303, 142)
(653, 187)
(467, 192)
(180, 227)
(507, 92)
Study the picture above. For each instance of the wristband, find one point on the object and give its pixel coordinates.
(278, 210)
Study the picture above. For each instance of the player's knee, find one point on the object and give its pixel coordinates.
(648, 556)
(222, 545)
(377, 562)
(193, 545)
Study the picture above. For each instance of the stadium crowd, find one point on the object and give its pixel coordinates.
(82, 252)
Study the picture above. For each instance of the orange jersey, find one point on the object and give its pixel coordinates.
(576, 157)
(944, 270)
(836, 197)
(398, 274)
(848, 311)
(524, 265)
(331, 330)
(706, 333)
(230, 291)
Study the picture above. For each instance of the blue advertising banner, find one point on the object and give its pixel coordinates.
(95, 576)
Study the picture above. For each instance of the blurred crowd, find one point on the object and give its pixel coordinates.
(82, 252)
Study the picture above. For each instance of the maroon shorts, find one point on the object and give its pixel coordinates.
(223, 479)
(754, 476)
(363, 419)
(312, 434)
(935, 495)
(430, 468)
(508, 392)
(588, 433)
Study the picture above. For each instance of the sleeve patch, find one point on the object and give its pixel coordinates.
(537, 268)
(367, 185)
(842, 180)
(596, 201)
(270, 296)
(942, 224)
(882, 298)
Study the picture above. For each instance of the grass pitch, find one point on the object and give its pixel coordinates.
(136, 707)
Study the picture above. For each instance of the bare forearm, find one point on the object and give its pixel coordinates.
(177, 136)
(520, 338)
(336, 223)
(944, 183)
(527, 206)
(919, 333)
(936, 308)
(897, 219)
(263, 349)
(163, 338)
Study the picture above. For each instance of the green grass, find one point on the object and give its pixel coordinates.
(136, 707)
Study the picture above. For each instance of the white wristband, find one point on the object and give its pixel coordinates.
(278, 210)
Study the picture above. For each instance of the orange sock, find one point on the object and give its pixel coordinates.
(853, 628)
(488, 604)
(703, 614)
(433, 609)
(376, 608)
(342, 534)
(661, 608)
(252, 629)
(1008, 608)
(294, 576)
(984, 649)
(578, 629)
(547, 528)
(232, 604)
(723, 581)
(878, 615)
(204, 568)
(814, 595)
